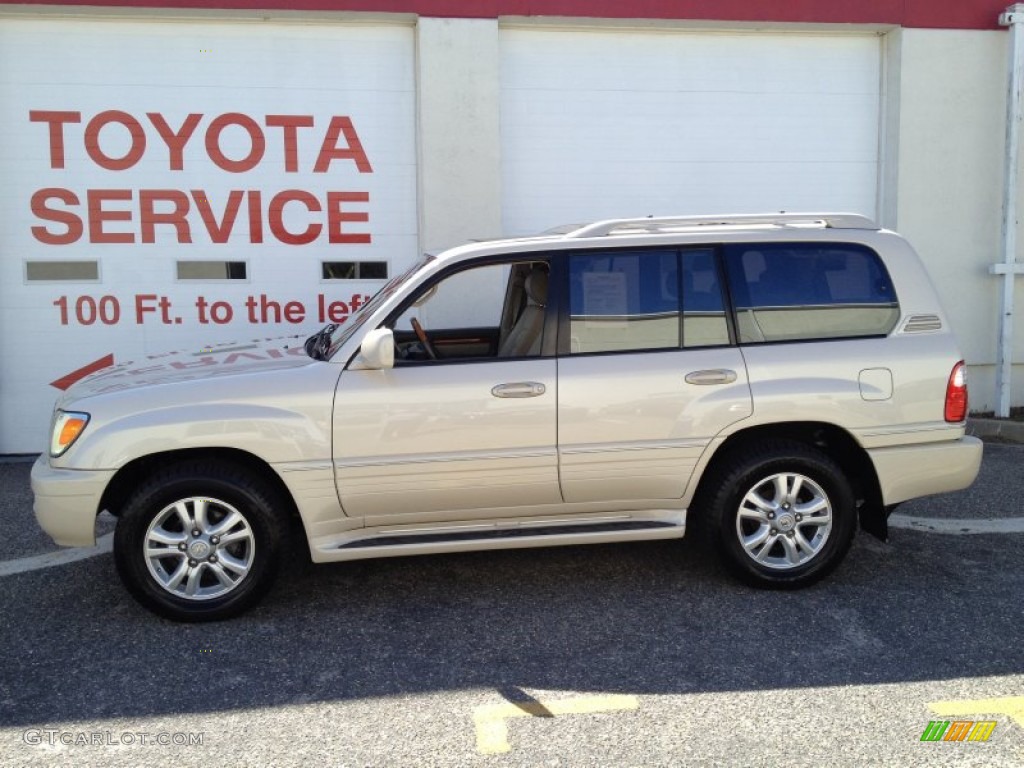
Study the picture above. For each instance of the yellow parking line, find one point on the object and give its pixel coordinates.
(492, 730)
(1011, 706)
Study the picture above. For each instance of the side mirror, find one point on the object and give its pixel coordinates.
(377, 352)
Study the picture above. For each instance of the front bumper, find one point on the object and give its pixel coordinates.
(67, 501)
(908, 471)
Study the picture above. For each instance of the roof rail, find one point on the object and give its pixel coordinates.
(655, 225)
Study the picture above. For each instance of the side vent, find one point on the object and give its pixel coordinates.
(922, 324)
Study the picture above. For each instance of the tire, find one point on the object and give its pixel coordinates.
(224, 570)
(767, 537)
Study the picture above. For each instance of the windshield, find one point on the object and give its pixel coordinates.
(345, 331)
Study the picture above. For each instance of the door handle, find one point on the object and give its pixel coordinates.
(519, 389)
(714, 376)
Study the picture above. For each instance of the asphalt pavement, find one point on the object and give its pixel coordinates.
(639, 654)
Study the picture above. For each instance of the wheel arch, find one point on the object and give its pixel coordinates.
(835, 442)
(128, 477)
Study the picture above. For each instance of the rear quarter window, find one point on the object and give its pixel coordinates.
(808, 291)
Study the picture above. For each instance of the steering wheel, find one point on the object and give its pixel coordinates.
(422, 336)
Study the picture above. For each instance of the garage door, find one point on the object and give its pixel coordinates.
(172, 185)
(600, 124)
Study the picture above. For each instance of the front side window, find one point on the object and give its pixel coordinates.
(491, 311)
(806, 291)
(466, 299)
(624, 301)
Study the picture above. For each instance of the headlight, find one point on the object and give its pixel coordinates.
(67, 426)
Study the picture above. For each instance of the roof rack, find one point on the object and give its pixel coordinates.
(655, 225)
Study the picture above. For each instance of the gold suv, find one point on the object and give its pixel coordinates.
(774, 380)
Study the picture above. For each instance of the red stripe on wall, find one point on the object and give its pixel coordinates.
(936, 14)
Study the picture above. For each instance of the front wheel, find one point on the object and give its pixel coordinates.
(783, 514)
(199, 542)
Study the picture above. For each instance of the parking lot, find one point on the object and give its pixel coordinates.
(643, 654)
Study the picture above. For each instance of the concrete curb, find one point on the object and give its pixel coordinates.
(1004, 428)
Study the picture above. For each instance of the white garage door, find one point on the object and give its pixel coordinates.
(601, 124)
(172, 185)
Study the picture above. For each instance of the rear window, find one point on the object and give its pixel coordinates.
(805, 291)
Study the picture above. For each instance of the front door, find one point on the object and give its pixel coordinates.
(464, 425)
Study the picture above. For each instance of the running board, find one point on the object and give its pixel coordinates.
(424, 540)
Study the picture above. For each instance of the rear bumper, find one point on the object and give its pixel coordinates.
(909, 471)
(67, 502)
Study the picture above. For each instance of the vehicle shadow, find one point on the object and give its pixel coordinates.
(637, 618)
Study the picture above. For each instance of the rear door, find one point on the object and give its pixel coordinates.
(647, 374)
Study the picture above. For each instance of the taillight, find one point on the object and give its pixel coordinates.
(956, 394)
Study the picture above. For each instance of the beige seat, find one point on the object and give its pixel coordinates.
(525, 337)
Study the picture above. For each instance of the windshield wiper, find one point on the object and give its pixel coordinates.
(319, 344)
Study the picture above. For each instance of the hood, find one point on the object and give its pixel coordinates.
(228, 359)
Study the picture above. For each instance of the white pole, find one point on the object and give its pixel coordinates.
(1014, 19)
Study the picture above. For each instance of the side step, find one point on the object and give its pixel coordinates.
(423, 540)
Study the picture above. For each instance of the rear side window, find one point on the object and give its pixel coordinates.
(704, 322)
(622, 301)
(805, 291)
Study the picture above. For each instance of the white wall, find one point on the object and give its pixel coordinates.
(603, 123)
(457, 82)
(459, 150)
(952, 117)
(941, 149)
(245, 77)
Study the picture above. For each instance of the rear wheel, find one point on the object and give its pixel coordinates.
(199, 542)
(782, 514)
